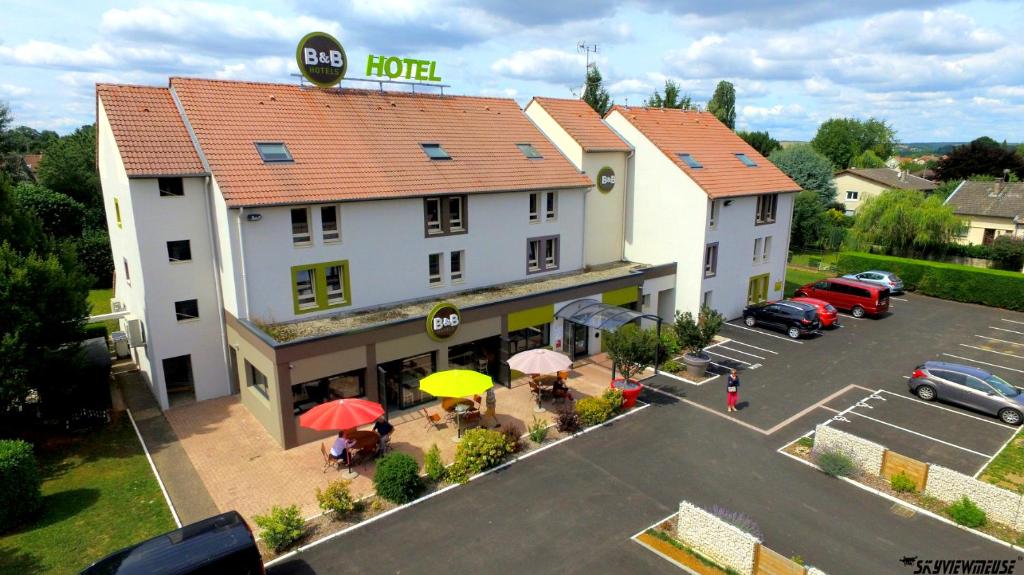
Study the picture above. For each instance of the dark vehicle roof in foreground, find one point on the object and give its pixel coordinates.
(184, 550)
(786, 302)
(969, 370)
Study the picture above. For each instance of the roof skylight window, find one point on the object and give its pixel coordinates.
(746, 160)
(690, 161)
(435, 152)
(273, 152)
(529, 151)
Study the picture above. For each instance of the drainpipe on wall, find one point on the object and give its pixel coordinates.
(244, 314)
(583, 244)
(214, 261)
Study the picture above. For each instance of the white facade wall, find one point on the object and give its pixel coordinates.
(554, 132)
(606, 211)
(384, 243)
(229, 263)
(849, 183)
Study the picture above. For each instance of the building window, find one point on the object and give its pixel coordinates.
(766, 205)
(542, 254)
(434, 269)
(435, 152)
(256, 380)
(690, 161)
(457, 265)
(186, 310)
(550, 205)
(300, 227)
(713, 214)
(320, 286)
(706, 300)
(529, 151)
(179, 251)
(273, 152)
(767, 249)
(117, 212)
(746, 160)
(645, 301)
(710, 260)
(171, 187)
(445, 215)
(852, 195)
(127, 276)
(757, 250)
(534, 207)
(329, 226)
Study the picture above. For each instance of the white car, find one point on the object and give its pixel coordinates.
(881, 278)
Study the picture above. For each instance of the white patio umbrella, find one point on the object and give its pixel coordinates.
(539, 361)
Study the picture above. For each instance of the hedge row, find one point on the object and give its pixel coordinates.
(996, 288)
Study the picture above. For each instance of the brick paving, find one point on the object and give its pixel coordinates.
(244, 469)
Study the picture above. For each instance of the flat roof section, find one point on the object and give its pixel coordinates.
(337, 324)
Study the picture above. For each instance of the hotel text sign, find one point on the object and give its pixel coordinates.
(443, 321)
(408, 68)
(321, 59)
(606, 179)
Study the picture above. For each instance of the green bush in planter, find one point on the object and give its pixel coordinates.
(966, 513)
(836, 464)
(282, 527)
(19, 483)
(336, 499)
(902, 483)
(481, 449)
(593, 410)
(397, 478)
(614, 399)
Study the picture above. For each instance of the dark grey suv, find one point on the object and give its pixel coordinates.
(970, 387)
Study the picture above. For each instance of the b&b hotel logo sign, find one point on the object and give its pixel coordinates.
(605, 179)
(321, 59)
(443, 321)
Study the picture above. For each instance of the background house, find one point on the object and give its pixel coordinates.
(857, 184)
(992, 209)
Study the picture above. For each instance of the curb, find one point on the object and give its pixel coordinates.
(167, 498)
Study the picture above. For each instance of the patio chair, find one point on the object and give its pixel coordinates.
(471, 418)
(329, 460)
(433, 419)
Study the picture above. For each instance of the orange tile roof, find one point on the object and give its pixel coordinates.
(32, 161)
(714, 145)
(363, 144)
(585, 126)
(149, 131)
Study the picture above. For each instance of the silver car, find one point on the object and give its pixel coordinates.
(968, 386)
(880, 278)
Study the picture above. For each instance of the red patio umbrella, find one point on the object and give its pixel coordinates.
(341, 414)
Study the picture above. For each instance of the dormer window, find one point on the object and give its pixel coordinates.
(690, 161)
(273, 152)
(435, 152)
(746, 160)
(529, 151)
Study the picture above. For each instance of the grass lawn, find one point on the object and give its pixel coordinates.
(99, 495)
(796, 277)
(99, 299)
(803, 260)
(1007, 469)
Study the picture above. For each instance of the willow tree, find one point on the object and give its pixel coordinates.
(904, 221)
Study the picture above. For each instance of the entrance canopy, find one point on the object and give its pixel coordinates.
(597, 315)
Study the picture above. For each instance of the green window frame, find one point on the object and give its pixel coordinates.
(331, 286)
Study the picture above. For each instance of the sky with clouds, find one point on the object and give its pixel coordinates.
(936, 70)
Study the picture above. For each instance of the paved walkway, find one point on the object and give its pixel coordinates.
(188, 494)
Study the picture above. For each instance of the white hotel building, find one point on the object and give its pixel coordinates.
(288, 244)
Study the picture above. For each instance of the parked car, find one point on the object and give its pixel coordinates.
(222, 544)
(855, 296)
(827, 313)
(879, 278)
(968, 386)
(794, 318)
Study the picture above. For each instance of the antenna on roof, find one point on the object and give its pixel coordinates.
(587, 49)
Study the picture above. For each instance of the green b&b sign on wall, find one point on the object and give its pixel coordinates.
(321, 59)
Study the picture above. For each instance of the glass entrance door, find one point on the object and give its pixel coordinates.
(579, 340)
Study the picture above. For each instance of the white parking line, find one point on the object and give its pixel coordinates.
(764, 334)
(743, 352)
(851, 317)
(983, 362)
(898, 298)
(727, 357)
(990, 351)
(1009, 330)
(930, 404)
(1002, 340)
(754, 346)
(1001, 448)
(911, 431)
(1012, 321)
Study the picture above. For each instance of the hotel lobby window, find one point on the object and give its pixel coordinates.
(529, 338)
(402, 379)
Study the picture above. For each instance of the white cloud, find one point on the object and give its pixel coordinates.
(982, 101)
(546, 64)
(929, 32)
(264, 69)
(631, 86)
(38, 53)
(14, 91)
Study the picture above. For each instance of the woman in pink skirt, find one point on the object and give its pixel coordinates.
(732, 390)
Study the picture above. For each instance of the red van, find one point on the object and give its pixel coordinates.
(858, 298)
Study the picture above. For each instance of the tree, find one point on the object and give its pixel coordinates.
(632, 349)
(904, 221)
(808, 168)
(5, 121)
(808, 220)
(68, 166)
(696, 334)
(671, 98)
(983, 156)
(946, 188)
(843, 139)
(21, 228)
(60, 215)
(595, 94)
(760, 141)
(878, 137)
(26, 140)
(723, 104)
(868, 159)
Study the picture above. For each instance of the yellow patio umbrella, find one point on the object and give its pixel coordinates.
(456, 383)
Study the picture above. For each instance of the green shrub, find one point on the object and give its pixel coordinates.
(966, 513)
(996, 288)
(433, 465)
(336, 499)
(672, 366)
(902, 483)
(807, 442)
(19, 483)
(397, 478)
(481, 449)
(93, 330)
(282, 527)
(93, 250)
(538, 430)
(567, 421)
(614, 399)
(593, 410)
(836, 464)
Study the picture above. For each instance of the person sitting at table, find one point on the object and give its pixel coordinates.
(559, 390)
(383, 428)
(340, 449)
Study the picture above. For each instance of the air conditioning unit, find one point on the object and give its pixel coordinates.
(117, 306)
(136, 333)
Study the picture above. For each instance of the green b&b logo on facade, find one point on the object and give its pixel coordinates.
(321, 59)
(443, 321)
(605, 179)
